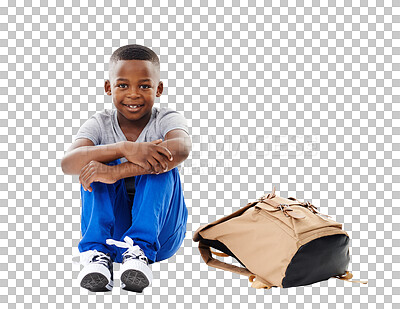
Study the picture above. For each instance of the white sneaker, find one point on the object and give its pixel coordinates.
(97, 273)
(135, 271)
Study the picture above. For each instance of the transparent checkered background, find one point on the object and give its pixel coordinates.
(303, 95)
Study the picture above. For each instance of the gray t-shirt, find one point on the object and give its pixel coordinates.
(102, 128)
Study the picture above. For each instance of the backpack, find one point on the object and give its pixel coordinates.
(279, 242)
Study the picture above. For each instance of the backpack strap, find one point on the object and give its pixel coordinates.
(210, 261)
(347, 276)
(205, 252)
(219, 253)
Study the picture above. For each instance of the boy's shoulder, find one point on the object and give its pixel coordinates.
(163, 111)
(103, 114)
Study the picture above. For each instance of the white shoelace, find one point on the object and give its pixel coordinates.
(132, 250)
(87, 256)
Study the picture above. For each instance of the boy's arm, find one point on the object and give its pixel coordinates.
(176, 141)
(81, 154)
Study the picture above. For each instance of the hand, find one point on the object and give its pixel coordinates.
(95, 171)
(148, 155)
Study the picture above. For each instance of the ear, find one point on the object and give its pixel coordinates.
(107, 87)
(160, 89)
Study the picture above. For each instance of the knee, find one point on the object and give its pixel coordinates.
(171, 172)
(163, 177)
(160, 181)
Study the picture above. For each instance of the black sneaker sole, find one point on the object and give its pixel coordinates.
(95, 282)
(134, 280)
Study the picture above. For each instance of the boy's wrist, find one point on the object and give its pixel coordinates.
(121, 147)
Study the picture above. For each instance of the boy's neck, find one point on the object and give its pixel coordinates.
(132, 125)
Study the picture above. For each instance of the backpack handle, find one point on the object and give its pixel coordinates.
(205, 252)
(210, 261)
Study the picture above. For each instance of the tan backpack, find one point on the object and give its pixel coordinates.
(279, 242)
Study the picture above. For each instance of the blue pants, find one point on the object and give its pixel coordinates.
(155, 220)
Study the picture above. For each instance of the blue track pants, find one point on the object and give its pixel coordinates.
(155, 220)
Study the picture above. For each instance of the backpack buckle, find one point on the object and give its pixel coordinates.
(289, 212)
(284, 208)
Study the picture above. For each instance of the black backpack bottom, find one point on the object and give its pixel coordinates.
(318, 260)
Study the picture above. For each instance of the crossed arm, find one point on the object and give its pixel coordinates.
(177, 142)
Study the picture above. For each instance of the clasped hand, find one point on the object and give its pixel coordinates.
(149, 155)
(95, 171)
(153, 158)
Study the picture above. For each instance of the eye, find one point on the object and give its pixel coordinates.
(145, 86)
(122, 84)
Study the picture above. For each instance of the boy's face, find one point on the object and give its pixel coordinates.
(135, 83)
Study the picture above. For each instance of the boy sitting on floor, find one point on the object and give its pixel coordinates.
(133, 209)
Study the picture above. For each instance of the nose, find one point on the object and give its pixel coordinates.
(133, 93)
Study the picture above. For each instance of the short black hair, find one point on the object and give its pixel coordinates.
(134, 52)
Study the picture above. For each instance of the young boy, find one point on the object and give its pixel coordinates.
(133, 209)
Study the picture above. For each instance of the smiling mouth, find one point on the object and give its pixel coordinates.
(133, 107)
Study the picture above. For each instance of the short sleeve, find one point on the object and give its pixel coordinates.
(171, 120)
(90, 130)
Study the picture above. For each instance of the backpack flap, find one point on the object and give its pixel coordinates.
(300, 217)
